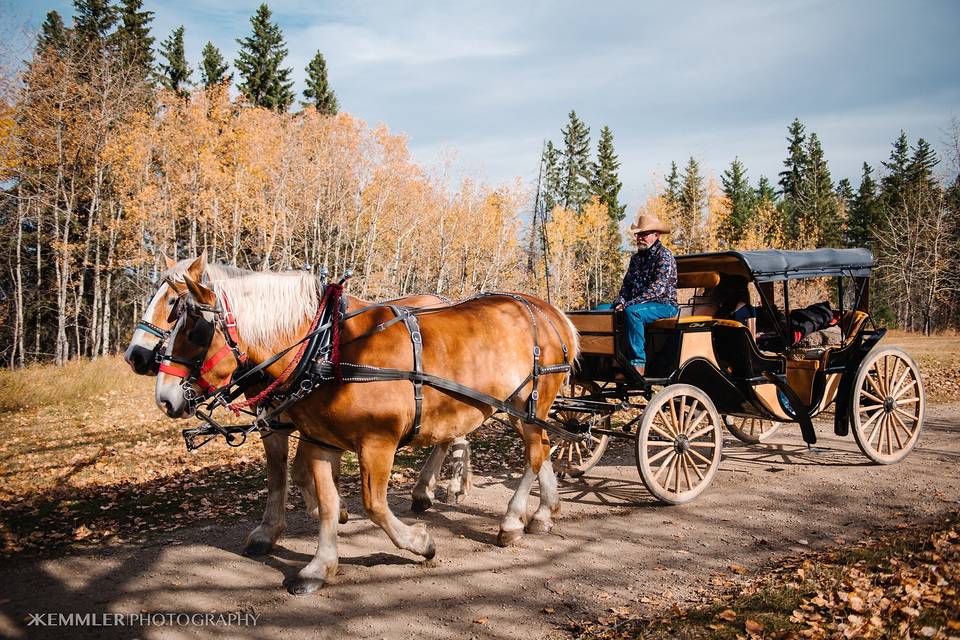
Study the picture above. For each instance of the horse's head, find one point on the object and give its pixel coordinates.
(195, 362)
(151, 332)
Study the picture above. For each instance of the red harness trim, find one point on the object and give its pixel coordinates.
(174, 370)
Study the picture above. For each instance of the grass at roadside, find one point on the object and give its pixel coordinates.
(902, 584)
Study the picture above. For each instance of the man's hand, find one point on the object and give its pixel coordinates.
(618, 306)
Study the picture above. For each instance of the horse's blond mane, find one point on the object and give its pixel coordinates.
(269, 305)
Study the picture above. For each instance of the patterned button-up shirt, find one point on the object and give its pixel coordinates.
(651, 277)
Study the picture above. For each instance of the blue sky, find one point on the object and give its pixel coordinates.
(490, 81)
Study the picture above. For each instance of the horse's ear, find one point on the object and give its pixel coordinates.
(197, 267)
(202, 294)
(179, 287)
(167, 261)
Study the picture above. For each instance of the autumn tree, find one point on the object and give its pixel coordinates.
(552, 181)
(264, 82)
(318, 91)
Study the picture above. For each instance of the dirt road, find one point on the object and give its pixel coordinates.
(613, 547)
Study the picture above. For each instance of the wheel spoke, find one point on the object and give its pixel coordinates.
(579, 455)
(892, 375)
(912, 418)
(693, 464)
(669, 436)
(913, 400)
(873, 383)
(876, 427)
(656, 457)
(682, 423)
(694, 436)
(897, 387)
(907, 432)
(674, 425)
(896, 432)
(871, 396)
(693, 425)
(676, 475)
(686, 472)
(876, 414)
(912, 385)
(870, 407)
(696, 454)
(666, 465)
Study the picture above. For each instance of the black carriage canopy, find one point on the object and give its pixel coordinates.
(772, 265)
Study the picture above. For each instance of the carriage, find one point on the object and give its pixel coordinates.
(706, 372)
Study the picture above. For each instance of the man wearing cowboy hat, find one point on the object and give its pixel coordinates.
(649, 290)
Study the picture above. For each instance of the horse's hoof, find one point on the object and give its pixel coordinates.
(537, 527)
(257, 548)
(458, 497)
(420, 504)
(344, 516)
(431, 551)
(304, 586)
(507, 538)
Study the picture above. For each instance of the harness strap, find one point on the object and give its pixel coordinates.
(416, 338)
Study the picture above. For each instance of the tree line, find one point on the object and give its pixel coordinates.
(110, 156)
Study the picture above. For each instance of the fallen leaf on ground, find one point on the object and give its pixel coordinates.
(728, 614)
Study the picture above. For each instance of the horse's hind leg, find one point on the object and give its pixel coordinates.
(323, 465)
(376, 461)
(273, 523)
(427, 482)
(461, 473)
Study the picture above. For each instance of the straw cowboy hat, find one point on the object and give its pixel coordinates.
(649, 223)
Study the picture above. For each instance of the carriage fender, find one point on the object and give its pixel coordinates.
(841, 420)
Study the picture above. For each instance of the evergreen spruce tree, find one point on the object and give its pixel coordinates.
(53, 35)
(796, 162)
(551, 177)
(213, 68)
(263, 82)
(765, 191)
(817, 217)
(672, 194)
(864, 218)
(737, 189)
(175, 73)
(318, 90)
(133, 36)
(920, 169)
(606, 183)
(93, 19)
(576, 169)
(894, 184)
(690, 203)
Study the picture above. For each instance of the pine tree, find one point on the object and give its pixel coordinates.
(895, 182)
(53, 35)
(551, 177)
(133, 36)
(213, 68)
(175, 74)
(765, 191)
(93, 19)
(606, 183)
(264, 83)
(737, 189)
(864, 217)
(817, 219)
(920, 169)
(796, 162)
(690, 203)
(318, 90)
(672, 194)
(575, 170)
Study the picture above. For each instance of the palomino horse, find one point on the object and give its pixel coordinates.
(488, 344)
(141, 355)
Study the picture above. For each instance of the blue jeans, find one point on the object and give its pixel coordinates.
(637, 316)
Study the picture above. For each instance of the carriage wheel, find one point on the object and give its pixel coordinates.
(751, 430)
(679, 444)
(575, 458)
(887, 405)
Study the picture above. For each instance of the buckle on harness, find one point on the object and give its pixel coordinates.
(416, 337)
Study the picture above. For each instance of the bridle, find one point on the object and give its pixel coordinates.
(194, 371)
(162, 334)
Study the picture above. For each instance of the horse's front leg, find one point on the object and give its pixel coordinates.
(274, 521)
(376, 462)
(303, 478)
(427, 482)
(324, 465)
(537, 466)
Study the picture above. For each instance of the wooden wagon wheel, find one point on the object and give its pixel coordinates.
(751, 430)
(679, 444)
(887, 405)
(576, 458)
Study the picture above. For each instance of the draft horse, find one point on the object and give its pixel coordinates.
(149, 339)
(488, 343)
